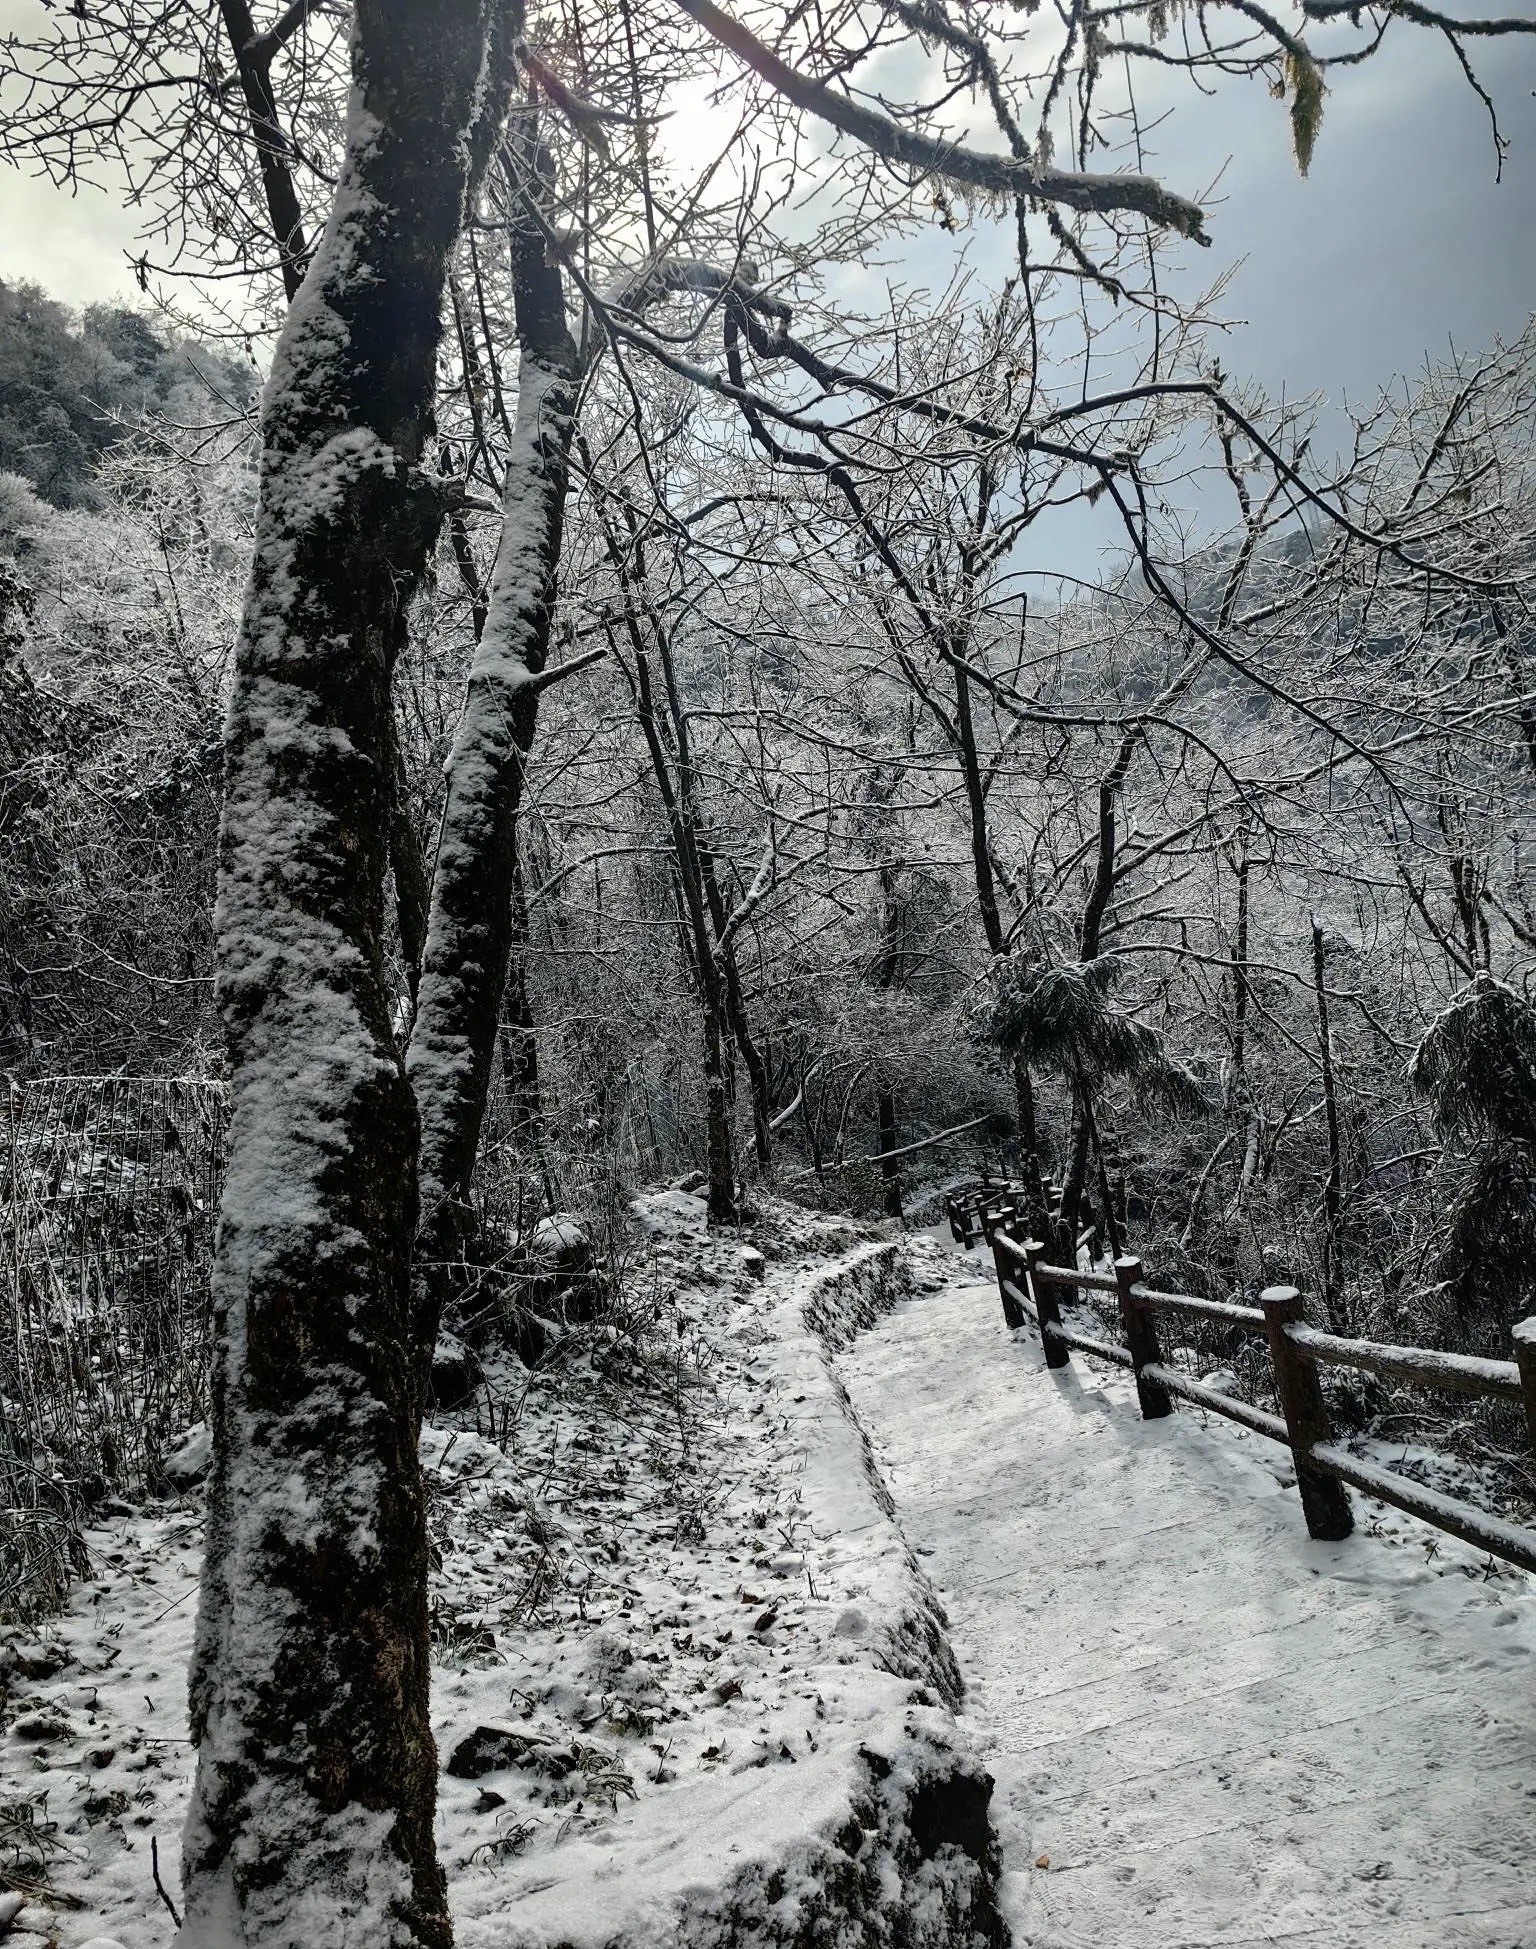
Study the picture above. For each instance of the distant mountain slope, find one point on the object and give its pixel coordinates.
(67, 384)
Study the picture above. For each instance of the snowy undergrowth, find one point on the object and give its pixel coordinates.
(690, 1688)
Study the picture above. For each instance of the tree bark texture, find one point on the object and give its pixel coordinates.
(311, 1818)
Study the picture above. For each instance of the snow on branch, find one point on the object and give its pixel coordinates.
(1422, 17)
(765, 881)
(1009, 176)
(643, 285)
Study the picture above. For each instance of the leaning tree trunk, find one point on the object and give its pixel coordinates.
(470, 929)
(1333, 1184)
(986, 898)
(680, 804)
(519, 1031)
(890, 1170)
(311, 1819)
(1089, 937)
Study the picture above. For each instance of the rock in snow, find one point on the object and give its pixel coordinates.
(456, 1371)
(563, 1270)
(559, 1246)
(488, 1749)
(188, 1462)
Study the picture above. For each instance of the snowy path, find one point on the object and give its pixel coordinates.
(1218, 1731)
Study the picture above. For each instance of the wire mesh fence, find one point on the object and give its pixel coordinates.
(108, 1195)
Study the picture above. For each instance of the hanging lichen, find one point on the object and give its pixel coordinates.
(1161, 15)
(1304, 78)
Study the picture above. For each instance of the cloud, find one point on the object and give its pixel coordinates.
(74, 245)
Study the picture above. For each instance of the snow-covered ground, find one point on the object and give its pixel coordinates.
(690, 1685)
(695, 1679)
(1204, 1728)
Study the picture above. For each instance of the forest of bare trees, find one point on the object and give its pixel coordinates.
(543, 675)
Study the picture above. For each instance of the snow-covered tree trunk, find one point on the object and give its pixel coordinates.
(312, 1813)
(470, 929)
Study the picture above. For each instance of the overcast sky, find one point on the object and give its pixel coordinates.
(1400, 242)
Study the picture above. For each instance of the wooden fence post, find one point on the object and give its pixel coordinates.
(1141, 1338)
(1525, 1360)
(1013, 1312)
(1323, 1500)
(1047, 1306)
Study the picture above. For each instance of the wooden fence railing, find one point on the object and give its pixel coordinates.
(966, 1206)
(1030, 1287)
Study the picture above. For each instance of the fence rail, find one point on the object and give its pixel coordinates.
(966, 1206)
(1030, 1287)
